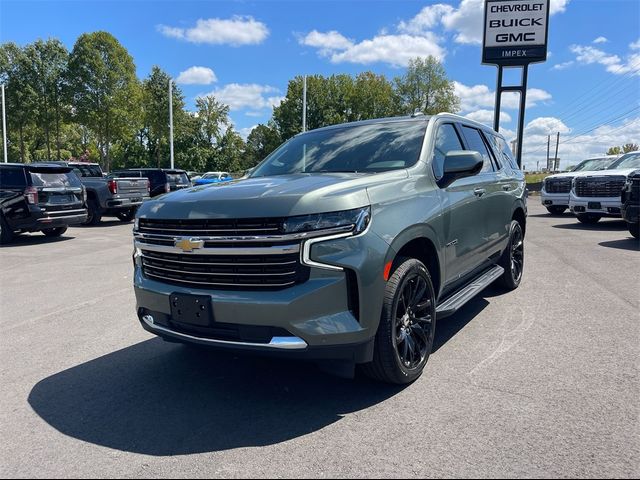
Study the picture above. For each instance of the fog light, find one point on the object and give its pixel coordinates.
(148, 319)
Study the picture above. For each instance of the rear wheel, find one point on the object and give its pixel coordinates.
(634, 229)
(513, 258)
(94, 213)
(126, 215)
(405, 335)
(556, 209)
(6, 234)
(589, 218)
(54, 232)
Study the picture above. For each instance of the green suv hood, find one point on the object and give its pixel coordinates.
(279, 196)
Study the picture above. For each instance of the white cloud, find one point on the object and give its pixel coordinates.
(478, 97)
(237, 30)
(428, 18)
(252, 96)
(197, 76)
(395, 50)
(635, 45)
(244, 132)
(588, 55)
(562, 66)
(601, 40)
(573, 148)
(326, 41)
(486, 117)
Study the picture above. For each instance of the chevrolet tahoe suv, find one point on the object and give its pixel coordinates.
(556, 188)
(598, 194)
(347, 243)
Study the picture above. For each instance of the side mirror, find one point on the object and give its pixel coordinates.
(460, 164)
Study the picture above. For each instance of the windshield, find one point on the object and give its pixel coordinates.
(593, 164)
(630, 160)
(210, 175)
(177, 177)
(369, 148)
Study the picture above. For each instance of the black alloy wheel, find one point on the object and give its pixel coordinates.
(513, 258)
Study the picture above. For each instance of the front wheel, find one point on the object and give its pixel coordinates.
(634, 229)
(94, 214)
(126, 215)
(405, 335)
(556, 209)
(588, 218)
(513, 258)
(54, 232)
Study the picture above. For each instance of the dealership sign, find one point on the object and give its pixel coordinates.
(515, 32)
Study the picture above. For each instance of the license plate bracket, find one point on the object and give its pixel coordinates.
(191, 309)
(595, 205)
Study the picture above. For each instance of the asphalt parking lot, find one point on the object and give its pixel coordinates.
(540, 382)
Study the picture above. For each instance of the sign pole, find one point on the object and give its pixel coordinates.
(523, 103)
(496, 113)
(171, 120)
(4, 127)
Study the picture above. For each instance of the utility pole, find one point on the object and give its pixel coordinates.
(171, 120)
(4, 127)
(548, 145)
(556, 162)
(304, 104)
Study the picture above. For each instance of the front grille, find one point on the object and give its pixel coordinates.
(558, 185)
(225, 271)
(602, 187)
(212, 227)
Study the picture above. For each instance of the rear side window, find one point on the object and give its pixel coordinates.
(447, 140)
(125, 174)
(55, 180)
(504, 152)
(177, 178)
(476, 143)
(12, 177)
(88, 170)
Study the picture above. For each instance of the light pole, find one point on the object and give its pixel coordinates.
(304, 104)
(171, 120)
(4, 127)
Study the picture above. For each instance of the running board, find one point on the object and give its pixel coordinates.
(462, 296)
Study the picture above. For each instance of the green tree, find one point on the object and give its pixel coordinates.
(104, 89)
(262, 140)
(630, 147)
(155, 104)
(231, 150)
(425, 87)
(373, 97)
(212, 115)
(614, 151)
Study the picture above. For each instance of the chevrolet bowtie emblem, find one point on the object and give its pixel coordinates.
(189, 244)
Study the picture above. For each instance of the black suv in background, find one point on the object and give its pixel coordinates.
(163, 180)
(631, 203)
(45, 198)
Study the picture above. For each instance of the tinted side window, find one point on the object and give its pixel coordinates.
(475, 141)
(12, 177)
(503, 150)
(447, 140)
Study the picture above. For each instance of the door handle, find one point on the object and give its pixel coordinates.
(478, 192)
(506, 188)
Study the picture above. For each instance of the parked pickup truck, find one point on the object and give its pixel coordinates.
(112, 197)
(347, 243)
(39, 198)
(556, 188)
(598, 194)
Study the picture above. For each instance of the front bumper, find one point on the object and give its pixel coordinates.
(606, 206)
(316, 319)
(554, 199)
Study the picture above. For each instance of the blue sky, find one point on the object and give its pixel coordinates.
(589, 88)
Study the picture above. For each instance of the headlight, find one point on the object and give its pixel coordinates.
(136, 223)
(358, 219)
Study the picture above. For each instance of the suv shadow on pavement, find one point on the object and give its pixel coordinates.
(162, 399)
(603, 225)
(35, 238)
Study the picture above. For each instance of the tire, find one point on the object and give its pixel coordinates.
(126, 215)
(6, 234)
(634, 229)
(405, 335)
(588, 218)
(512, 259)
(556, 209)
(54, 232)
(94, 213)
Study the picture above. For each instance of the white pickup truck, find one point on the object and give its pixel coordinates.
(556, 188)
(599, 194)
